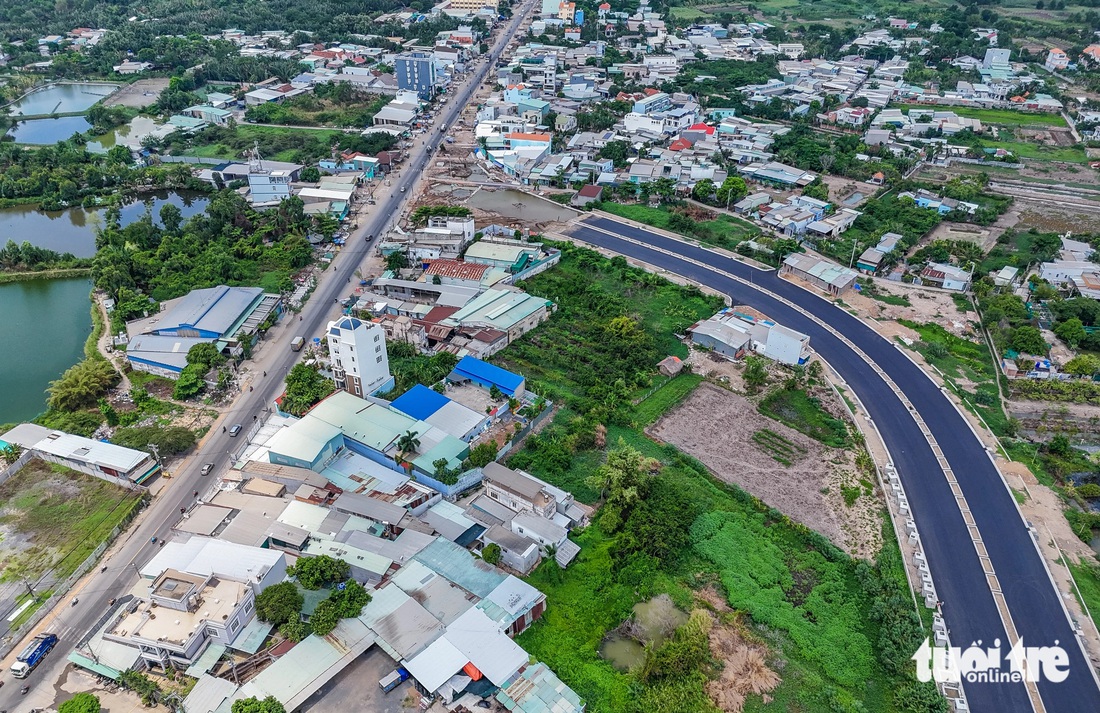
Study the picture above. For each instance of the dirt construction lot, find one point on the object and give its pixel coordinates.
(739, 445)
(140, 94)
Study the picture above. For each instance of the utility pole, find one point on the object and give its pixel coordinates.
(30, 591)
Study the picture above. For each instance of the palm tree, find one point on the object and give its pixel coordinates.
(407, 443)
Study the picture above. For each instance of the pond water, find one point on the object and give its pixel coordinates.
(653, 622)
(62, 99)
(520, 206)
(53, 312)
(853, 199)
(73, 229)
(48, 131)
(129, 135)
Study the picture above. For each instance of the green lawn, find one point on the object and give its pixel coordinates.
(64, 515)
(725, 231)
(1022, 149)
(803, 413)
(1087, 577)
(248, 132)
(998, 117)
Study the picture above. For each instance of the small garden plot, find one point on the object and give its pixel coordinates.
(781, 449)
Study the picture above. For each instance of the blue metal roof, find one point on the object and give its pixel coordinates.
(420, 402)
(482, 371)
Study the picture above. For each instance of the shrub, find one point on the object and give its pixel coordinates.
(491, 553)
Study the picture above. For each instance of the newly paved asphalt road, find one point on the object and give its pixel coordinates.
(274, 357)
(969, 606)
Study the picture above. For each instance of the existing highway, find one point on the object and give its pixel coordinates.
(274, 357)
(969, 606)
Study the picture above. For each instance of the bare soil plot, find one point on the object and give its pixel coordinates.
(53, 517)
(139, 94)
(786, 469)
(925, 305)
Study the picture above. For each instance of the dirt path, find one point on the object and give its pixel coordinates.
(105, 348)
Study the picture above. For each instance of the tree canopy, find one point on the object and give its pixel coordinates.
(319, 571)
(80, 703)
(305, 386)
(255, 705)
(279, 603)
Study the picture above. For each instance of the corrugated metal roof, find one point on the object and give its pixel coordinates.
(420, 402)
(459, 566)
(304, 439)
(435, 664)
(442, 599)
(480, 639)
(208, 693)
(474, 368)
(79, 448)
(205, 556)
(448, 520)
(215, 309)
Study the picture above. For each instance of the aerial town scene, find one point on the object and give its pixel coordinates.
(549, 356)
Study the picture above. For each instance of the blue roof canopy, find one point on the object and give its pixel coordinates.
(482, 371)
(420, 402)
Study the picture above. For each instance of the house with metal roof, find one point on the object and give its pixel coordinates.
(505, 309)
(487, 376)
(116, 464)
(511, 255)
(819, 272)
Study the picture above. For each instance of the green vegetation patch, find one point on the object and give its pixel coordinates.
(60, 516)
(999, 117)
(613, 324)
(781, 449)
(804, 413)
(1087, 577)
(723, 231)
(669, 394)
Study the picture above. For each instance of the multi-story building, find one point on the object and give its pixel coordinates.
(416, 72)
(357, 349)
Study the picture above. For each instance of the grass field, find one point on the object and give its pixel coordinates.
(688, 13)
(1023, 149)
(256, 133)
(1087, 577)
(665, 397)
(725, 231)
(802, 413)
(53, 517)
(999, 117)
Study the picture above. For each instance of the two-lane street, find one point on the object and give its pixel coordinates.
(275, 357)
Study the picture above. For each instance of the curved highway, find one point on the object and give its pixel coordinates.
(275, 358)
(969, 607)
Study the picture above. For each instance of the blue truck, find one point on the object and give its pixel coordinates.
(33, 654)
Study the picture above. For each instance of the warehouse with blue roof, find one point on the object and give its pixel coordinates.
(227, 317)
(487, 376)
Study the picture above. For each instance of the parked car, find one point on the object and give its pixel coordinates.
(206, 468)
(235, 430)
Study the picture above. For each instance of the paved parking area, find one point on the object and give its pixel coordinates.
(356, 689)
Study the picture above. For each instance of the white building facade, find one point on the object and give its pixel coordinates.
(357, 349)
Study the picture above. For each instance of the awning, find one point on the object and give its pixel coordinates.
(204, 663)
